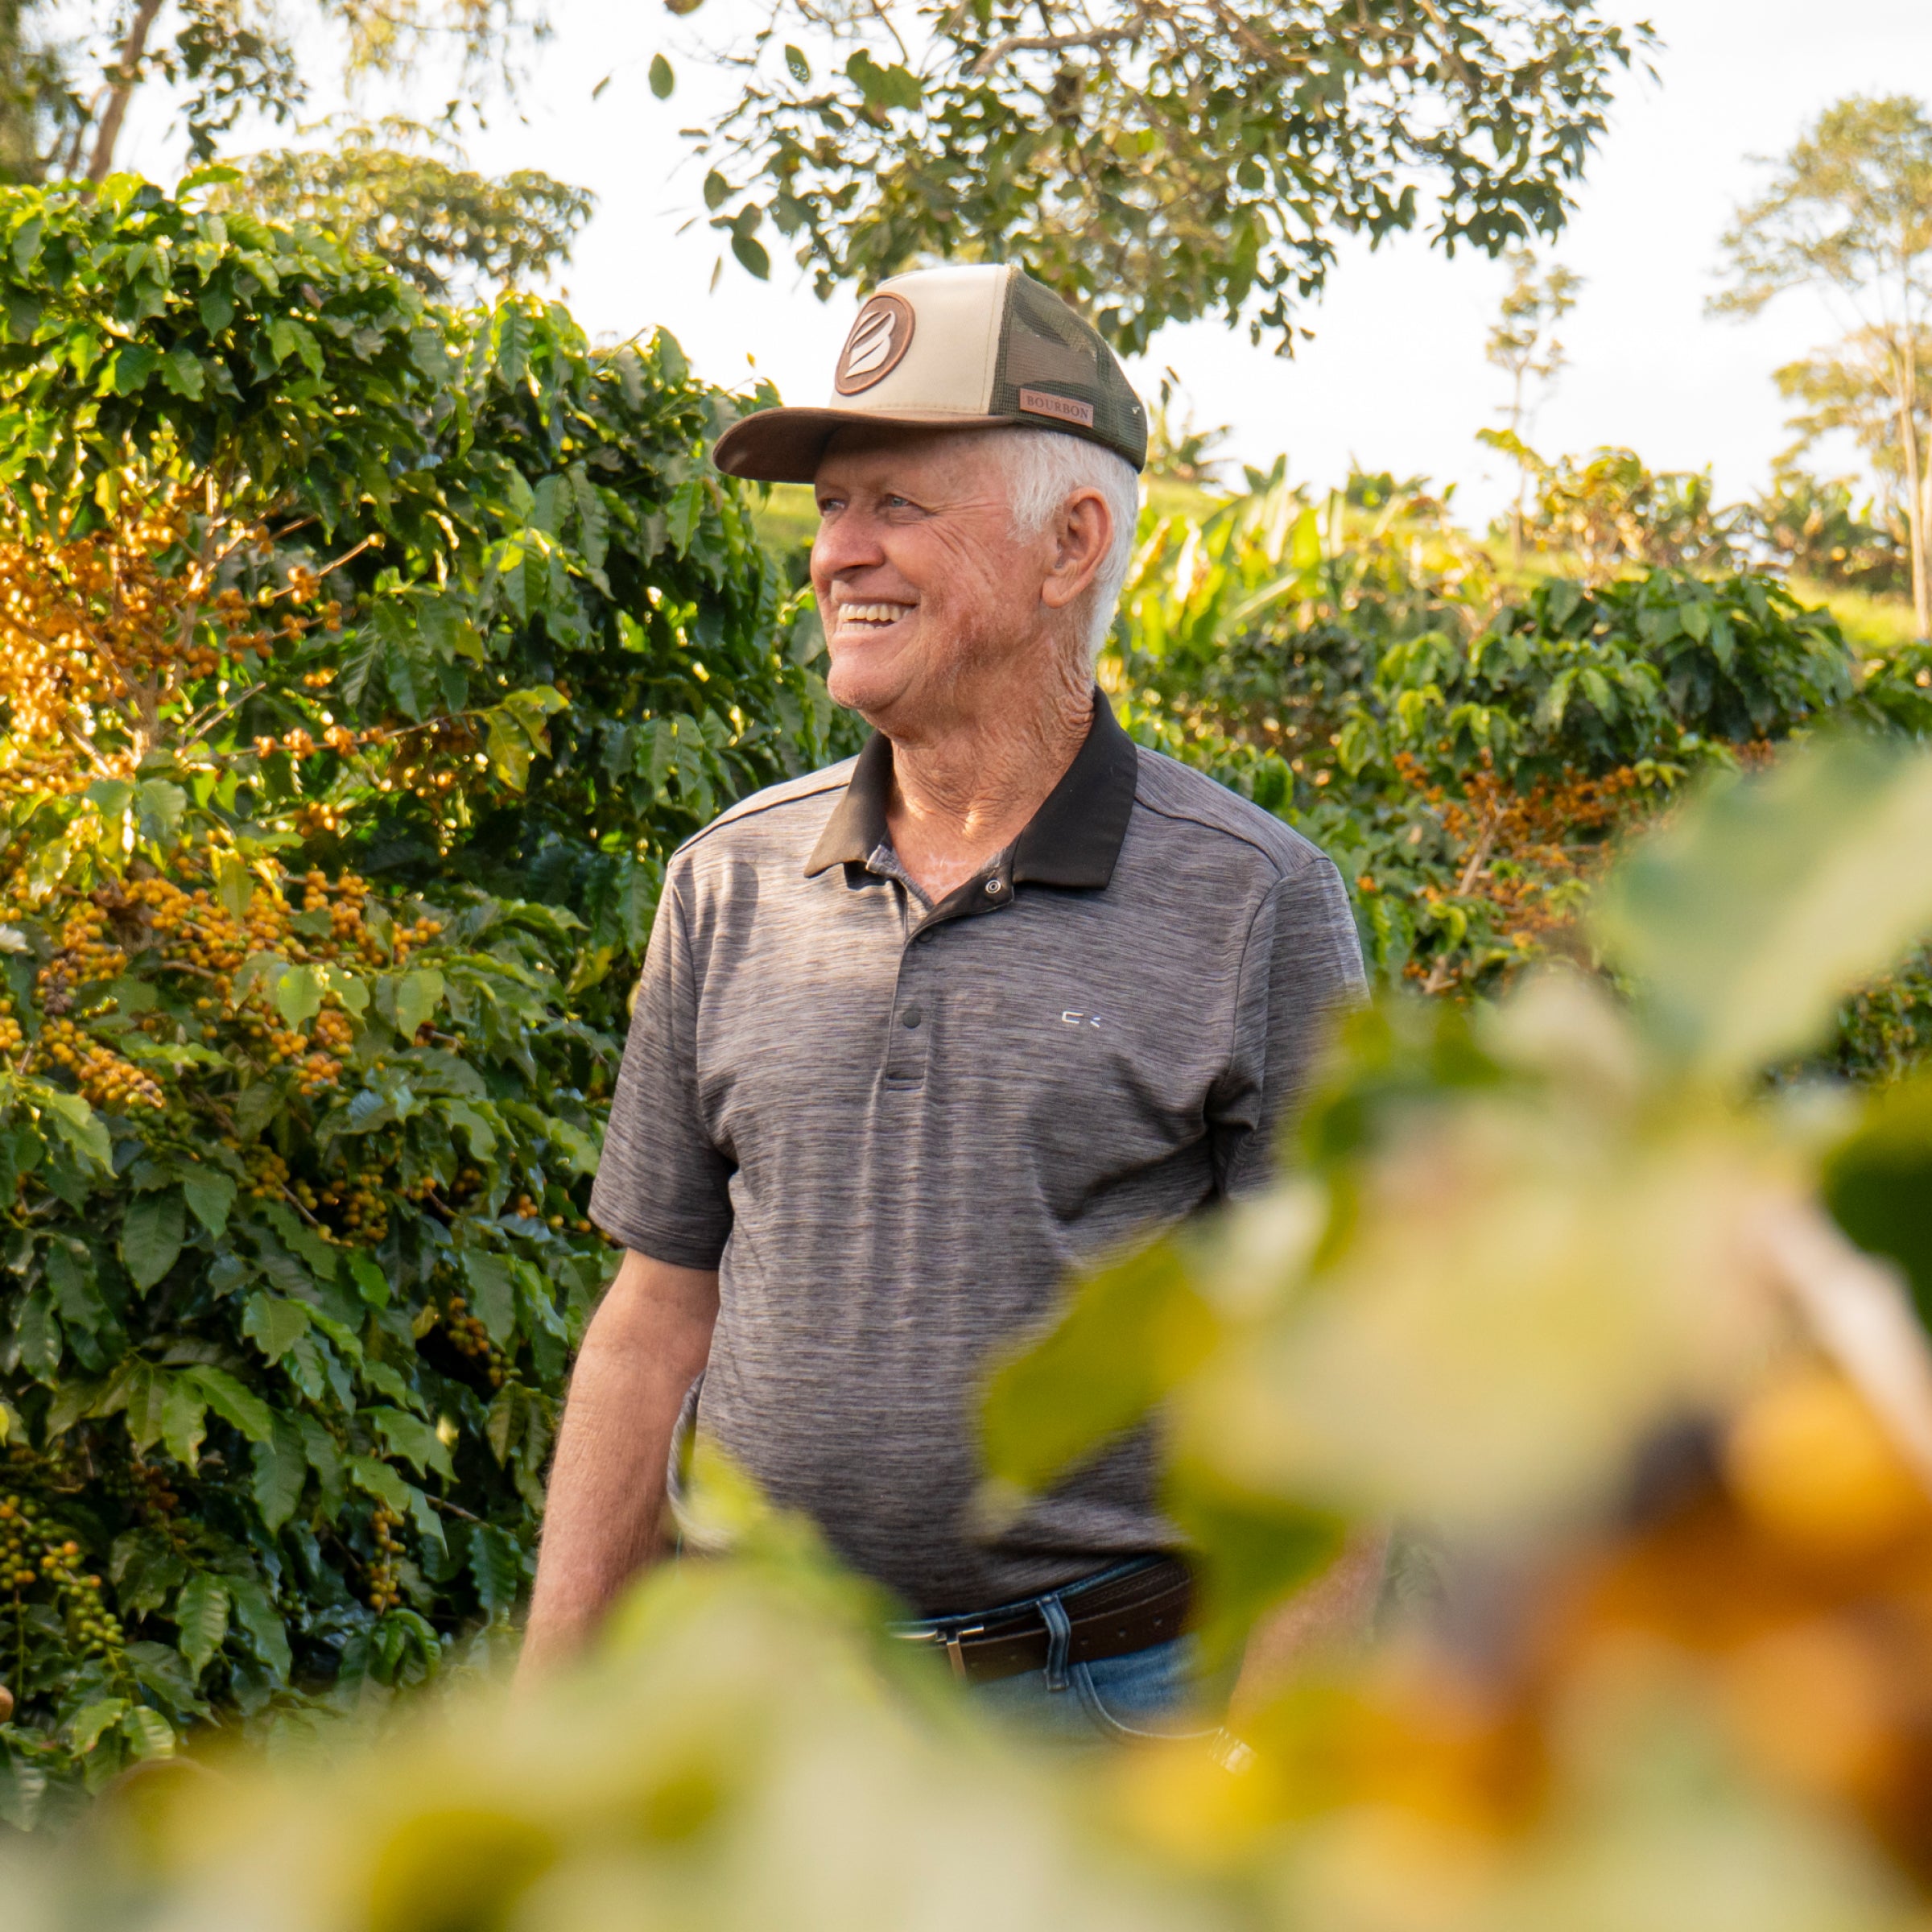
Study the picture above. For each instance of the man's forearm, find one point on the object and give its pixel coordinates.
(648, 1340)
(1333, 1612)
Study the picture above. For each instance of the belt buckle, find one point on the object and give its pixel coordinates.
(948, 1640)
(955, 1654)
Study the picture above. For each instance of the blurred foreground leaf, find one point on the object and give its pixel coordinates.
(1878, 1184)
(1745, 922)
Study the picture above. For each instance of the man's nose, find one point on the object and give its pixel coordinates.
(847, 542)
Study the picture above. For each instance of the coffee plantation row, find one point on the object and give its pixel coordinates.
(362, 660)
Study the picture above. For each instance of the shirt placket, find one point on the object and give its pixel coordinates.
(918, 994)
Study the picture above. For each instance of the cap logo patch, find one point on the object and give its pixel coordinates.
(876, 345)
(1069, 409)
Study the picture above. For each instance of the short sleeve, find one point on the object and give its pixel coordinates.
(1302, 966)
(663, 1188)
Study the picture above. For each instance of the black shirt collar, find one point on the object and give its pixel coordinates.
(1072, 841)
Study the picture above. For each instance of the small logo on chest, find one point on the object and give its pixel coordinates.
(1079, 1019)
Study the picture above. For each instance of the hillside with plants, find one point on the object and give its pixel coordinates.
(1470, 739)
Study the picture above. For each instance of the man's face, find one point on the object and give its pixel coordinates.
(928, 598)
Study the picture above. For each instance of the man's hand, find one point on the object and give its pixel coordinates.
(646, 1343)
(1331, 1613)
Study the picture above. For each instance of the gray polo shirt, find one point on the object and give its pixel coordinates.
(895, 1127)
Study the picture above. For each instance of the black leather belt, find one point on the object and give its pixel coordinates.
(1111, 1615)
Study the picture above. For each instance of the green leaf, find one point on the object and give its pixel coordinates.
(146, 1401)
(22, 1789)
(511, 328)
(1746, 922)
(492, 1294)
(752, 256)
(412, 1438)
(281, 1469)
(509, 751)
(797, 65)
(273, 1324)
(578, 1148)
(683, 513)
(497, 1568)
(39, 1333)
(255, 1612)
(883, 86)
(94, 1718)
(211, 1196)
(299, 995)
(200, 1613)
(183, 1422)
(482, 1136)
(1877, 1182)
(351, 988)
(1132, 1331)
(371, 1283)
(1257, 1550)
(235, 1403)
(182, 372)
(148, 1731)
(151, 1234)
(131, 367)
(77, 1125)
(662, 80)
(418, 996)
(377, 1478)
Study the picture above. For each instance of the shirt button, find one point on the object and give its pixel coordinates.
(994, 888)
(910, 1018)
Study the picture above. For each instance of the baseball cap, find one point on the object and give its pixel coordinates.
(952, 348)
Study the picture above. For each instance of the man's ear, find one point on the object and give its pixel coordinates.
(1083, 534)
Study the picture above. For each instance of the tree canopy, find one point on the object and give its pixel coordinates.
(68, 75)
(1156, 164)
(1849, 214)
(448, 229)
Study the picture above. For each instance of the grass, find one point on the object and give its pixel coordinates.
(1872, 623)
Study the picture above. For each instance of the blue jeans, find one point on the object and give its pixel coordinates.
(1147, 1693)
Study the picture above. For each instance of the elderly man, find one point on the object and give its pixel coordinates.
(921, 1034)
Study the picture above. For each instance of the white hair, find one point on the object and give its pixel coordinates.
(1043, 469)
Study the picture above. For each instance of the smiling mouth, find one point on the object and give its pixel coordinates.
(871, 616)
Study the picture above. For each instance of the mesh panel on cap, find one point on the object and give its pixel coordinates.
(1046, 346)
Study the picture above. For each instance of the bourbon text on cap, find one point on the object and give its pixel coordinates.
(1041, 402)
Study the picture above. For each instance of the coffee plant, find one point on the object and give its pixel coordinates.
(361, 660)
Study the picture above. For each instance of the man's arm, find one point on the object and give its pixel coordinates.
(646, 1343)
(1332, 1614)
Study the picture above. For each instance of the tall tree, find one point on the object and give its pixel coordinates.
(1849, 215)
(1851, 389)
(453, 231)
(68, 73)
(1523, 345)
(1155, 162)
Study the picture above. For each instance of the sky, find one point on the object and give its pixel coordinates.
(1395, 378)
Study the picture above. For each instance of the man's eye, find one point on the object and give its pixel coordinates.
(896, 502)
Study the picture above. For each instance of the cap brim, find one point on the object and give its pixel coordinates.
(787, 445)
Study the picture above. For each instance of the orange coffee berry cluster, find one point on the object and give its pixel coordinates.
(34, 1554)
(385, 1587)
(468, 1337)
